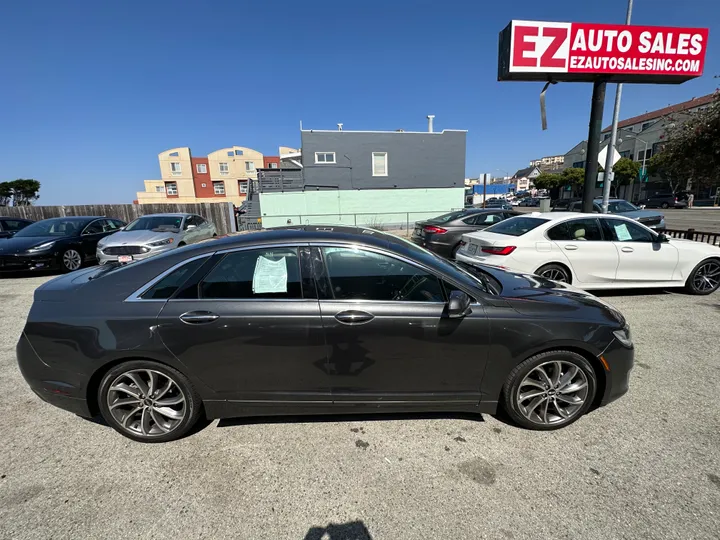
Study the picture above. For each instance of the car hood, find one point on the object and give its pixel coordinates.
(534, 295)
(19, 245)
(137, 237)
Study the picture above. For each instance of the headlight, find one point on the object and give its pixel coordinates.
(162, 242)
(623, 336)
(41, 247)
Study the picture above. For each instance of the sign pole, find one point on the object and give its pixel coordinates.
(609, 176)
(593, 147)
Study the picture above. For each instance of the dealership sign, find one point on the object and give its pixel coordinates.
(557, 51)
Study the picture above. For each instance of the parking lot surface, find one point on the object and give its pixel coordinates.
(647, 466)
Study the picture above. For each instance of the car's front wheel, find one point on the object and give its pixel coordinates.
(148, 402)
(705, 278)
(664, 206)
(71, 260)
(549, 390)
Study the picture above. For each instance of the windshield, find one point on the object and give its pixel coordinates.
(53, 227)
(516, 226)
(156, 223)
(445, 218)
(618, 207)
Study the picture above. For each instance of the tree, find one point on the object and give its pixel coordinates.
(24, 191)
(548, 181)
(625, 171)
(6, 193)
(665, 167)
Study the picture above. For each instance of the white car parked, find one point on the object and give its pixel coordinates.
(594, 251)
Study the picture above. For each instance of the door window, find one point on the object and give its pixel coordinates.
(167, 286)
(95, 227)
(364, 275)
(253, 274)
(13, 225)
(627, 231)
(581, 230)
(486, 219)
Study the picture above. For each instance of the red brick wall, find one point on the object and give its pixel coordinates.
(267, 160)
(202, 178)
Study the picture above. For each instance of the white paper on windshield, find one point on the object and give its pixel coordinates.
(270, 276)
(622, 233)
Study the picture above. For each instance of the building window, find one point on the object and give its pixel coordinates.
(201, 168)
(174, 154)
(171, 189)
(646, 125)
(160, 189)
(579, 165)
(606, 137)
(625, 153)
(324, 157)
(224, 168)
(231, 153)
(175, 168)
(238, 152)
(243, 186)
(249, 166)
(219, 188)
(273, 165)
(379, 164)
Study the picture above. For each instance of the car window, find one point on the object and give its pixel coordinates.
(357, 274)
(587, 229)
(167, 286)
(627, 231)
(256, 273)
(109, 225)
(516, 226)
(13, 224)
(118, 224)
(199, 221)
(190, 220)
(615, 207)
(95, 227)
(487, 219)
(445, 218)
(155, 223)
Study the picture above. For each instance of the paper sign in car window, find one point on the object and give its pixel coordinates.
(622, 233)
(270, 276)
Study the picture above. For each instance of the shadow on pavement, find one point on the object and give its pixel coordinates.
(353, 530)
(358, 417)
(28, 274)
(635, 292)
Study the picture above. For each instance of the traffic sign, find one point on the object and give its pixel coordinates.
(602, 156)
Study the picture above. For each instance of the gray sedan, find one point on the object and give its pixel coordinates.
(153, 234)
(649, 218)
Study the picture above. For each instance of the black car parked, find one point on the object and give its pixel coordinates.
(317, 320)
(10, 226)
(64, 243)
(442, 234)
(664, 200)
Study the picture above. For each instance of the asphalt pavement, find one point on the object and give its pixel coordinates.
(647, 466)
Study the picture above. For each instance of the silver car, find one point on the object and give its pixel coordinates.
(153, 234)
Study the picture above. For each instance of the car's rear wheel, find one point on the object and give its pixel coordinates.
(556, 272)
(705, 278)
(71, 260)
(665, 206)
(148, 402)
(549, 390)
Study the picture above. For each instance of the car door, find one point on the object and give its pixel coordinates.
(204, 229)
(387, 337)
(642, 258)
(592, 258)
(248, 324)
(91, 235)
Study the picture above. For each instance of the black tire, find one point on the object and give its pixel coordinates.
(166, 429)
(560, 272)
(67, 255)
(454, 251)
(514, 408)
(664, 206)
(696, 287)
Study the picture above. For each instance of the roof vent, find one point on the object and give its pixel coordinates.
(430, 122)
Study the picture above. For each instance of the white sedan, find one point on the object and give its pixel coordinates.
(594, 251)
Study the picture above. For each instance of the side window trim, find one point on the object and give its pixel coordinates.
(385, 253)
(137, 295)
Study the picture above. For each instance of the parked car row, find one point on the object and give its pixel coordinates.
(68, 243)
(649, 218)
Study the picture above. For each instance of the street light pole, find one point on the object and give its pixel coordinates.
(609, 175)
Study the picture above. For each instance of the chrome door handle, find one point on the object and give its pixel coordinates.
(198, 317)
(571, 247)
(354, 317)
(627, 249)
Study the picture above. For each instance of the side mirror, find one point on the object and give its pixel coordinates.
(662, 238)
(190, 227)
(459, 305)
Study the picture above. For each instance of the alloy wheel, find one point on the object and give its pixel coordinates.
(146, 402)
(707, 277)
(555, 274)
(553, 392)
(72, 259)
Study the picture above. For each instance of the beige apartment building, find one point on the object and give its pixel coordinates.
(221, 176)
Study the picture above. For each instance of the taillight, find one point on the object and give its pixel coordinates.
(463, 243)
(506, 250)
(434, 230)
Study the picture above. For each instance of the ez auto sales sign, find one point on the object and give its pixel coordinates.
(533, 50)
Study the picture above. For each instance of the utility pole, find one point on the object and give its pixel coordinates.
(593, 145)
(484, 189)
(609, 175)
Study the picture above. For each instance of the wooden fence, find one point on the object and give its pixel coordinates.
(221, 214)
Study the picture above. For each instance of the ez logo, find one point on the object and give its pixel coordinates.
(542, 47)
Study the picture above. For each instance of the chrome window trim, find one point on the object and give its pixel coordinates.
(136, 296)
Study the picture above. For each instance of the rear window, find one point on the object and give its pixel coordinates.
(516, 226)
(445, 218)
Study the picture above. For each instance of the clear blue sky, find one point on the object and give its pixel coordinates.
(92, 91)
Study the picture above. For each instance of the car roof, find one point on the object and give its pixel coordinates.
(167, 214)
(74, 218)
